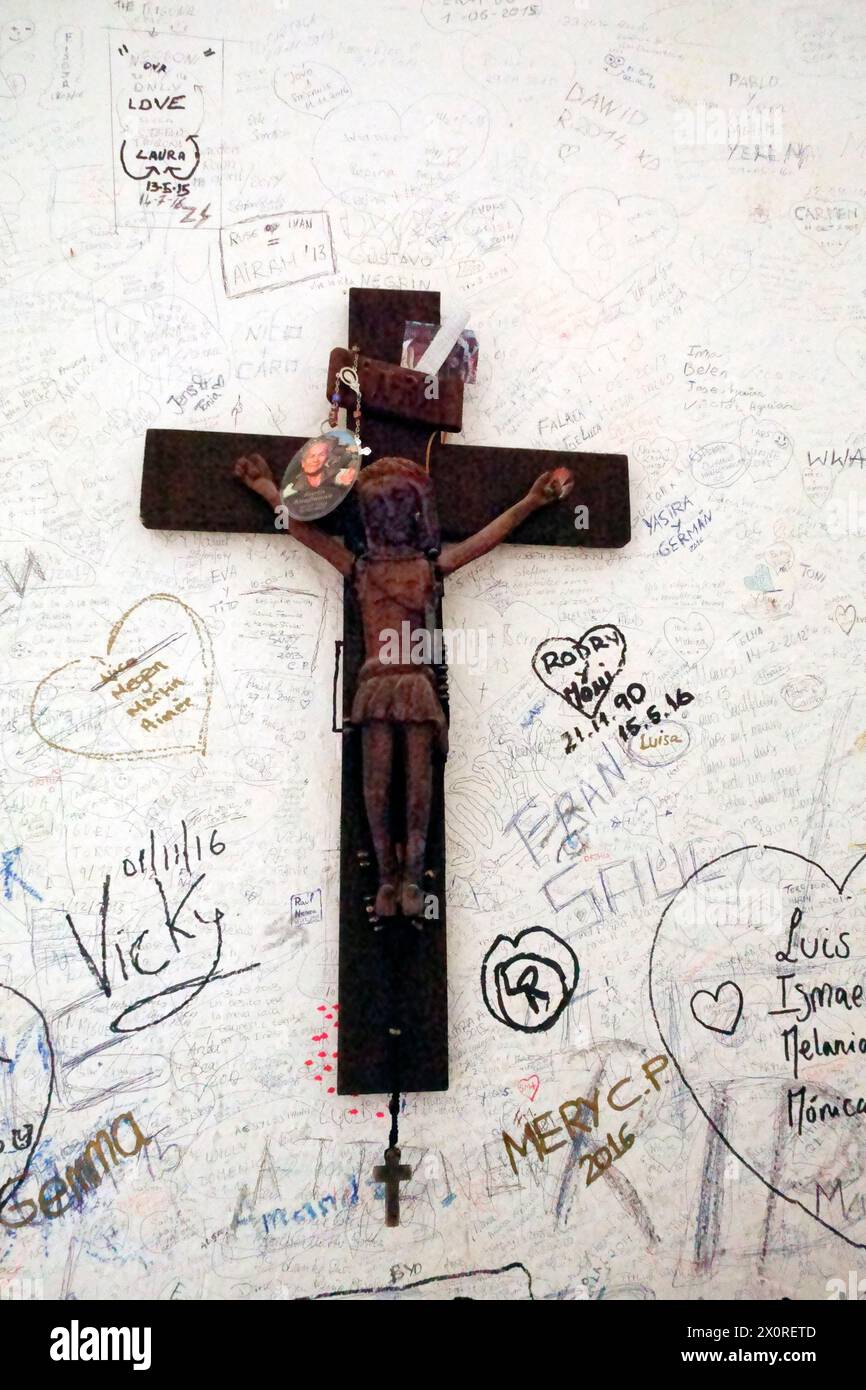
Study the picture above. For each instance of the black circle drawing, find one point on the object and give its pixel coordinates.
(536, 967)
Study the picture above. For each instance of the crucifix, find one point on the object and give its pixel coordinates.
(420, 508)
(392, 1173)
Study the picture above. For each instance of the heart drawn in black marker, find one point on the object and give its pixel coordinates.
(581, 671)
(720, 1011)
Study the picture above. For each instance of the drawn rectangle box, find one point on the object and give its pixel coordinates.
(276, 250)
(306, 908)
(166, 114)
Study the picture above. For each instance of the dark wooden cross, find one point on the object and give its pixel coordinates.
(392, 1173)
(187, 484)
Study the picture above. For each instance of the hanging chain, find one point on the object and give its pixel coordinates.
(348, 376)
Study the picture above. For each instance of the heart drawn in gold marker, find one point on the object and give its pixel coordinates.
(148, 696)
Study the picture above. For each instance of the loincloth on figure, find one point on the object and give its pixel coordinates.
(399, 695)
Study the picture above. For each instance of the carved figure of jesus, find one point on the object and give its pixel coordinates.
(396, 580)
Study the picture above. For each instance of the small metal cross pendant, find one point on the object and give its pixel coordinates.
(392, 1174)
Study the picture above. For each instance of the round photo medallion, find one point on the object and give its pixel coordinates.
(320, 475)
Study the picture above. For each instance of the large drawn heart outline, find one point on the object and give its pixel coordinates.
(76, 693)
(30, 1059)
(745, 1075)
(581, 669)
(600, 240)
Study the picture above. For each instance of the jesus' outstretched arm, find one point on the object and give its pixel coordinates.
(255, 474)
(548, 487)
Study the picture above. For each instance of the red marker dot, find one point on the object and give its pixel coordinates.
(353, 1112)
(333, 1054)
(322, 1008)
(331, 1090)
(327, 1067)
(309, 1062)
(317, 1078)
(321, 1054)
(329, 1015)
(380, 1114)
